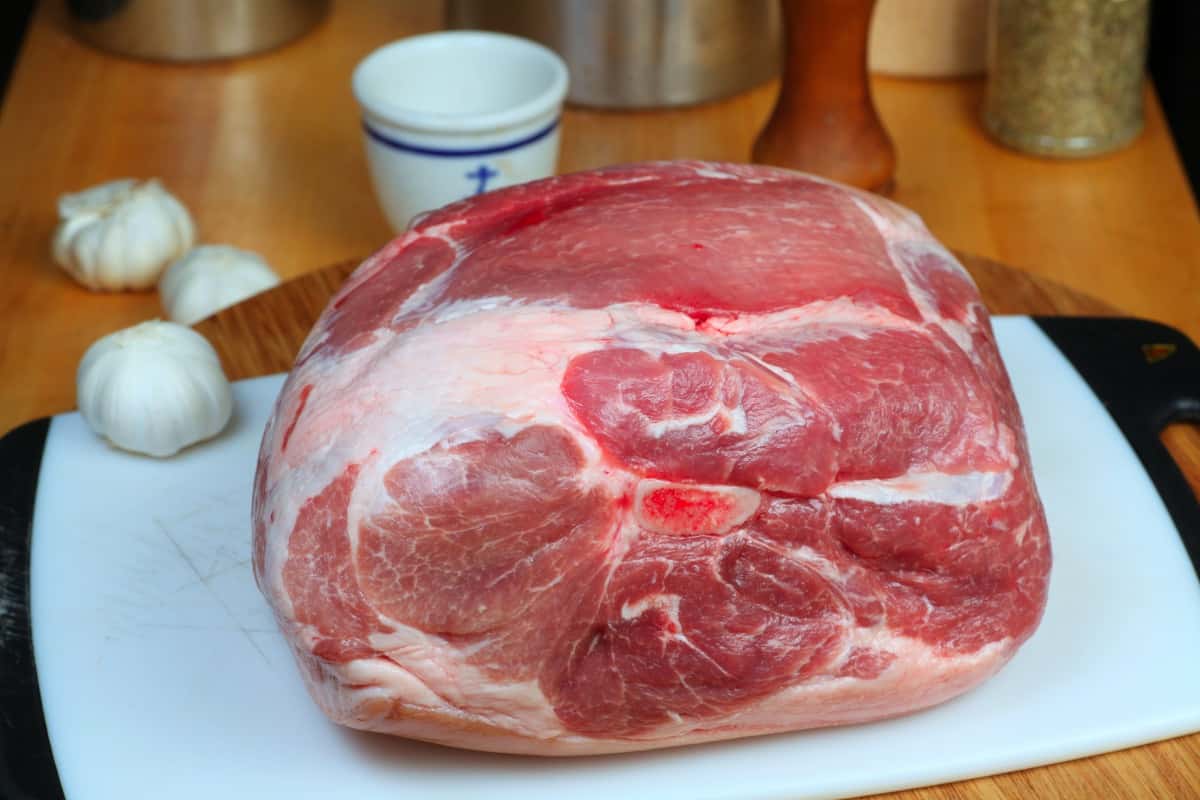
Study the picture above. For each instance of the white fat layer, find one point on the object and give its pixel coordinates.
(842, 314)
(704, 170)
(668, 603)
(424, 296)
(715, 411)
(737, 420)
(1022, 530)
(827, 569)
(907, 241)
(927, 487)
(413, 667)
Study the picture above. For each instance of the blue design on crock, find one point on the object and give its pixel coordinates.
(481, 174)
(408, 147)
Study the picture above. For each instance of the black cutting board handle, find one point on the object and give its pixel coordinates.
(1148, 376)
(27, 770)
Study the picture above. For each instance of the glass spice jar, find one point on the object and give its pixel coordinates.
(1066, 76)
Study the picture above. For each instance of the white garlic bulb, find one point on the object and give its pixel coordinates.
(210, 278)
(121, 234)
(154, 388)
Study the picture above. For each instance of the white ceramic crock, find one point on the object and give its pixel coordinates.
(452, 114)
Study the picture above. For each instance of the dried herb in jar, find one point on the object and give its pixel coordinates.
(1066, 75)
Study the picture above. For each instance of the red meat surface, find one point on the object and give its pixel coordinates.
(647, 456)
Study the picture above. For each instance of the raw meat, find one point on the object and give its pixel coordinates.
(647, 456)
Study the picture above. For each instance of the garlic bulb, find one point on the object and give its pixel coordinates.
(121, 234)
(209, 278)
(154, 388)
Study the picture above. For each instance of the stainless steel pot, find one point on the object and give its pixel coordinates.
(192, 30)
(642, 53)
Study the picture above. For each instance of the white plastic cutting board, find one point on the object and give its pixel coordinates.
(163, 676)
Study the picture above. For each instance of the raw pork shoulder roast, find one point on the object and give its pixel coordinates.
(647, 456)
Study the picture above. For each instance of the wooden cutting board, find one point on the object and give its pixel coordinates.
(262, 336)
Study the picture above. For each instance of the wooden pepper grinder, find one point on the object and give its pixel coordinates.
(824, 121)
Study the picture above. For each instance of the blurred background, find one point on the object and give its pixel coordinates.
(1175, 69)
(1173, 63)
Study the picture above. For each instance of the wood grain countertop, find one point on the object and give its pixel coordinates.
(266, 153)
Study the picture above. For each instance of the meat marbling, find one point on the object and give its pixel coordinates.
(647, 456)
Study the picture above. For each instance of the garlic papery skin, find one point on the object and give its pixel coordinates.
(212, 277)
(121, 234)
(154, 388)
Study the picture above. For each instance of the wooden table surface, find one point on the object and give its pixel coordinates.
(266, 153)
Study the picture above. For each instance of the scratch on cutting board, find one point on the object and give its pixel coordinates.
(204, 579)
(205, 501)
(219, 571)
(207, 541)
